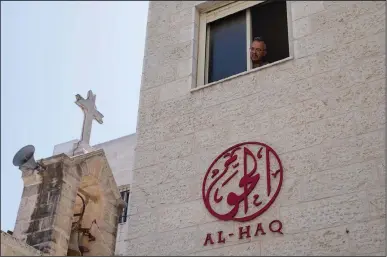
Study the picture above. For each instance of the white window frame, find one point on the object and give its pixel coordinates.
(224, 10)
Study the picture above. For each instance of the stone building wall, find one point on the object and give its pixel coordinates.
(120, 155)
(323, 112)
(45, 209)
(11, 246)
(50, 210)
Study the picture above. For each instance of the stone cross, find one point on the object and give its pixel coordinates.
(90, 113)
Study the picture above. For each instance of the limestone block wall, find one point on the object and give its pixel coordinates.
(323, 112)
(49, 202)
(44, 216)
(11, 246)
(98, 182)
(120, 155)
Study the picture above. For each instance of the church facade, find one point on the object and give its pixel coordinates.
(71, 203)
(283, 159)
(120, 155)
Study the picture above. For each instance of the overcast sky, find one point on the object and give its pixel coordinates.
(51, 51)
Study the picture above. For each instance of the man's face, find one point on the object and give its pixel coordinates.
(257, 51)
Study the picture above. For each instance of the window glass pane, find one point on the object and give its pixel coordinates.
(227, 49)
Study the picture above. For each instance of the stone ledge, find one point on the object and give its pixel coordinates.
(197, 88)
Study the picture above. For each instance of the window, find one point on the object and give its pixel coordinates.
(125, 197)
(227, 32)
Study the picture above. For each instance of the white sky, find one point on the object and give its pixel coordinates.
(51, 51)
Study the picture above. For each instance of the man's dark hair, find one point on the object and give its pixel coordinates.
(259, 39)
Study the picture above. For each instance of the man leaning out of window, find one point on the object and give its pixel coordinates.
(258, 52)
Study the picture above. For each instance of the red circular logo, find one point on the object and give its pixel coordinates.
(242, 182)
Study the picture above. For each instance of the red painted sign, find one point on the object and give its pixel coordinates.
(244, 232)
(242, 182)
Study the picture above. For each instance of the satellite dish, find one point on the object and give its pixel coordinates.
(24, 158)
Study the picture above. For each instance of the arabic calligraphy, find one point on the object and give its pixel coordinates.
(242, 182)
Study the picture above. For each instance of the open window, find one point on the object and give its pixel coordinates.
(226, 34)
(124, 214)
